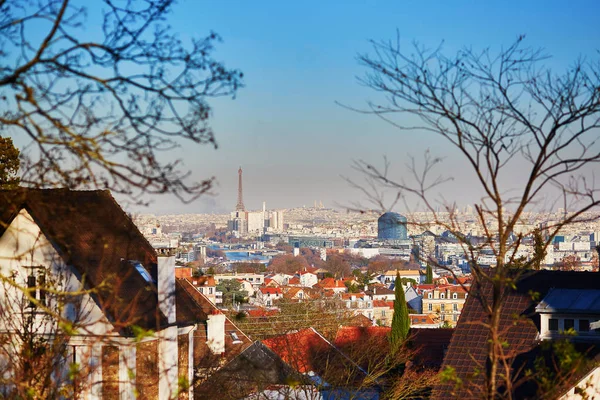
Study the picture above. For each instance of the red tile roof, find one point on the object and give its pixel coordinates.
(300, 349)
(330, 283)
(383, 303)
(270, 290)
(348, 335)
(294, 281)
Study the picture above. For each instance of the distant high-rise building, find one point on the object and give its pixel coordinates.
(256, 221)
(392, 226)
(276, 220)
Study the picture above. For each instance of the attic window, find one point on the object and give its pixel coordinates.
(142, 271)
(553, 324)
(235, 337)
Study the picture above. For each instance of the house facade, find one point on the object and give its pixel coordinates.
(87, 300)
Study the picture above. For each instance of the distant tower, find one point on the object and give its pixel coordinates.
(240, 202)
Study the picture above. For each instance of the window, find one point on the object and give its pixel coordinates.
(455, 295)
(36, 284)
(584, 325)
(569, 323)
(210, 290)
(31, 284)
(455, 317)
(235, 337)
(553, 324)
(455, 307)
(142, 271)
(443, 307)
(429, 296)
(442, 295)
(430, 307)
(383, 313)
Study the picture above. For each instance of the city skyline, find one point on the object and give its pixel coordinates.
(286, 130)
(289, 127)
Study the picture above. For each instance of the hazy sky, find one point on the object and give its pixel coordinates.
(299, 57)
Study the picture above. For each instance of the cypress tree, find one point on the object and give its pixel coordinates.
(428, 274)
(400, 321)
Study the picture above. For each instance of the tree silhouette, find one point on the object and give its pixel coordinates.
(99, 107)
(499, 111)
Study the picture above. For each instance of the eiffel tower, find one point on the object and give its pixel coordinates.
(240, 202)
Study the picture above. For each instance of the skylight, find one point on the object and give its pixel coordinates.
(143, 272)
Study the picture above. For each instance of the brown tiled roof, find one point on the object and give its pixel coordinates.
(94, 235)
(468, 347)
(430, 345)
(193, 308)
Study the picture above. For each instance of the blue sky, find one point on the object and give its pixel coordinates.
(299, 57)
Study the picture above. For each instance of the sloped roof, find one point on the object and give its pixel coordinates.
(329, 283)
(192, 307)
(253, 370)
(94, 235)
(467, 352)
(308, 351)
(270, 290)
(430, 345)
(300, 349)
(349, 335)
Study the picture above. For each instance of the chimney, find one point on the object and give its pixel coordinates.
(166, 287)
(215, 332)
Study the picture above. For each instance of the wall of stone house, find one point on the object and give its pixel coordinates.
(183, 344)
(110, 373)
(146, 365)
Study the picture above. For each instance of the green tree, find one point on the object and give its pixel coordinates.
(232, 291)
(400, 320)
(429, 274)
(9, 164)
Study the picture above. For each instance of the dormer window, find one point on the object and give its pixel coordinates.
(442, 295)
(429, 296)
(564, 310)
(455, 295)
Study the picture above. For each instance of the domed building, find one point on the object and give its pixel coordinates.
(392, 226)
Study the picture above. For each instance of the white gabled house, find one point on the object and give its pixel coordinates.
(82, 284)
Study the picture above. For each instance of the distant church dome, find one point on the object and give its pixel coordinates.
(392, 226)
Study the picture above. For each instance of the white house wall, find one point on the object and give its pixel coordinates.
(24, 245)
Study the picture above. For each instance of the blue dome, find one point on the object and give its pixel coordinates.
(392, 226)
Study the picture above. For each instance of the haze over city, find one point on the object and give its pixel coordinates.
(286, 128)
